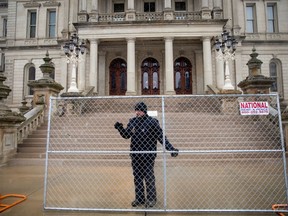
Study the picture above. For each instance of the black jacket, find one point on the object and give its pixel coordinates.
(144, 133)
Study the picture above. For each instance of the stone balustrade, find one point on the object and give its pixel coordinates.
(34, 118)
(119, 17)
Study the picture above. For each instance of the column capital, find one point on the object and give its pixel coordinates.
(205, 38)
(168, 38)
(129, 39)
(94, 40)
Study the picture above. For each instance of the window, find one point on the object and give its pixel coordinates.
(271, 18)
(32, 24)
(275, 70)
(180, 6)
(250, 18)
(118, 7)
(149, 6)
(30, 76)
(4, 27)
(52, 24)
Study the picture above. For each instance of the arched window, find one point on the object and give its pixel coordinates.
(150, 77)
(118, 77)
(29, 75)
(275, 72)
(182, 76)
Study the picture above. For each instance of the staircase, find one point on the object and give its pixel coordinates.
(32, 151)
(188, 128)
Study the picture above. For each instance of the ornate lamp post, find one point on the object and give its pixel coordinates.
(72, 51)
(226, 47)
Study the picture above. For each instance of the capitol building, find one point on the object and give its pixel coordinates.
(143, 47)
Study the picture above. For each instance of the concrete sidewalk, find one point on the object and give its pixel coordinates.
(29, 181)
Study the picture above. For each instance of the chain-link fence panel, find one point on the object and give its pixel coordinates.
(165, 153)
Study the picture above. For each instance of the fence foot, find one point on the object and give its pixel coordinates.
(278, 207)
(4, 207)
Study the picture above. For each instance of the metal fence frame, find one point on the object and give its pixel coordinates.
(52, 108)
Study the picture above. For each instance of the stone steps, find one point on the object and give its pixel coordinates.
(186, 131)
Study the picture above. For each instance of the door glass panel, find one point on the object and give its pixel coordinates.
(145, 81)
(187, 80)
(155, 80)
(178, 80)
(123, 81)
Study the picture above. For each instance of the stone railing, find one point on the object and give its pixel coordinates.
(187, 16)
(119, 17)
(149, 16)
(34, 118)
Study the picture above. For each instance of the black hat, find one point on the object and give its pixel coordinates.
(141, 106)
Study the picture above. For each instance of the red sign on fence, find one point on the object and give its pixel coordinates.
(254, 108)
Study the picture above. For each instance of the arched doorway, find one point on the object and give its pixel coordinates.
(150, 77)
(182, 76)
(118, 77)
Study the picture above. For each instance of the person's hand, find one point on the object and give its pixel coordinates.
(118, 125)
(175, 153)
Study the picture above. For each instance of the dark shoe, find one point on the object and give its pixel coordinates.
(136, 203)
(150, 204)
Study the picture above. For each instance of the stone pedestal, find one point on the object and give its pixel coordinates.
(255, 83)
(9, 121)
(168, 15)
(130, 15)
(46, 86)
(206, 13)
(83, 16)
(93, 16)
(8, 140)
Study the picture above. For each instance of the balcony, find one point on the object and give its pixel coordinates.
(140, 17)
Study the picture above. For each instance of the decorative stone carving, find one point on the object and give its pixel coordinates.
(255, 83)
(46, 86)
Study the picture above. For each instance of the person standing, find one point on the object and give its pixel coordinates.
(144, 132)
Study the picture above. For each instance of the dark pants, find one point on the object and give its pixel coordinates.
(143, 170)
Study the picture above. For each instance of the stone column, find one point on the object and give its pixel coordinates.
(205, 11)
(217, 4)
(199, 72)
(93, 15)
(167, 4)
(235, 18)
(130, 13)
(131, 5)
(207, 60)
(205, 4)
(102, 74)
(131, 87)
(94, 5)
(83, 5)
(227, 13)
(169, 69)
(219, 72)
(168, 12)
(93, 64)
(217, 10)
(81, 72)
(82, 15)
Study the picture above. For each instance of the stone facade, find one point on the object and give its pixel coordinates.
(175, 29)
